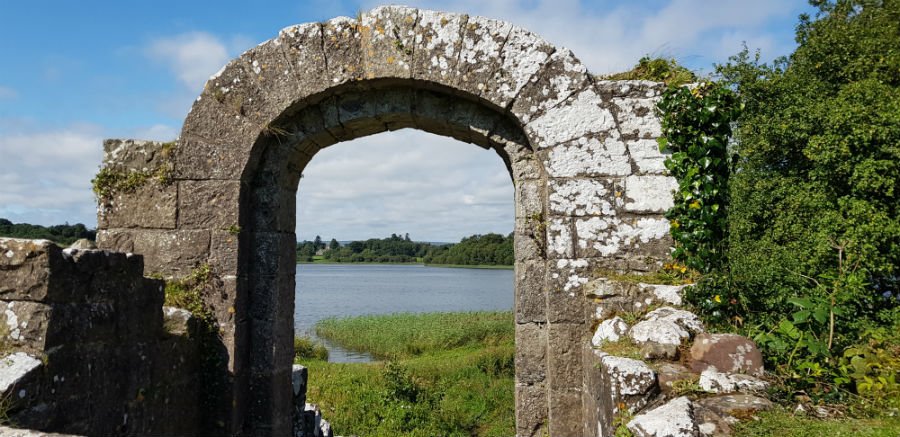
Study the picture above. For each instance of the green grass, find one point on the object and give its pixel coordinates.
(782, 423)
(457, 381)
(404, 335)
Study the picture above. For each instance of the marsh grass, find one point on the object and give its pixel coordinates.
(404, 335)
(456, 378)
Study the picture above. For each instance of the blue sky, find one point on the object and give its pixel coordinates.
(74, 73)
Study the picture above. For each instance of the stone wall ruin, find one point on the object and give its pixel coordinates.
(590, 187)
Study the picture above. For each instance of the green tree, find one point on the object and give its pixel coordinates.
(333, 244)
(820, 161)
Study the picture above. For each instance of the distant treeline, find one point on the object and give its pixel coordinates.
(61, 234)
(489, 249)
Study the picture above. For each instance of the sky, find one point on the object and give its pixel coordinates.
(74, 73)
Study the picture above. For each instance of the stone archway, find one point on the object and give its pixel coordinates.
(589, 185)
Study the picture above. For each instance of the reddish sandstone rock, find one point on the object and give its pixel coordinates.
(728, 353)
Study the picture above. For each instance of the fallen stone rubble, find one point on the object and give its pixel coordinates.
(677, 380)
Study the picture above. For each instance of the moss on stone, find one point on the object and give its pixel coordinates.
(656, 70)
(623, 348)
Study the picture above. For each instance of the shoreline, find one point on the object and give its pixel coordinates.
(447, 266)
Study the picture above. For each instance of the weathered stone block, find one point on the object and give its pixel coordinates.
(529, 239)
(629, 383)
(173, 253)
(634, 89)
(135, 155)
(532, 405)
(610, 330)
(564, 364)
(151, 205)
(584, 197)
(26, 268)
(343, 53)
(274, 208)
(209, 204)
(303, 48)
(198, 158)
(479, 55)
(646, 156)
(223, 252)
(14, 369)
(221, 115)
(637, 118)
(566, 303)
(523, 54)
(388, 41)
(599, 156)
(666, 326)
(676, 419)
(358, 114)
(649, 193)
(270, 84)
(713, 381)
(438, 41)
(560, 77)
(560, 238)
(531, 353)
(530, 198)
(621, 236)
(531, 294)
(582, 115)
(566, 412)
(730, 353)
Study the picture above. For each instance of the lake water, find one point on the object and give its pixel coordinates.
(341, 290)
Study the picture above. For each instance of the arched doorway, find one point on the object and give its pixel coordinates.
(586, 182)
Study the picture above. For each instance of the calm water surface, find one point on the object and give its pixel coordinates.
(341, 290)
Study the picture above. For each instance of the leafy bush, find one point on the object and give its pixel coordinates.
(813, 227)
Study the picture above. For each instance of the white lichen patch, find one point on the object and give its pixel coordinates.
(670, 294)
(523, 55)
(438, 40)
(610, 330)
(646, 155)
(481, 45)
(15, 367)
(12, 322)
(559, 238)
(632, 381)
(609, 235)
(580, 116)
(713, 381)
(589, 157)
(580, 197)
(638, 117)
(649, 193)
(674, 419)
(572, 270)
(666, 326)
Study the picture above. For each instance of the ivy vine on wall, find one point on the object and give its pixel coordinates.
(696, 125)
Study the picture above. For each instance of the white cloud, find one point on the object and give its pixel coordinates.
(432, 187)
(193, 57)
(157, 132)
(45, 177)
(7, 93)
